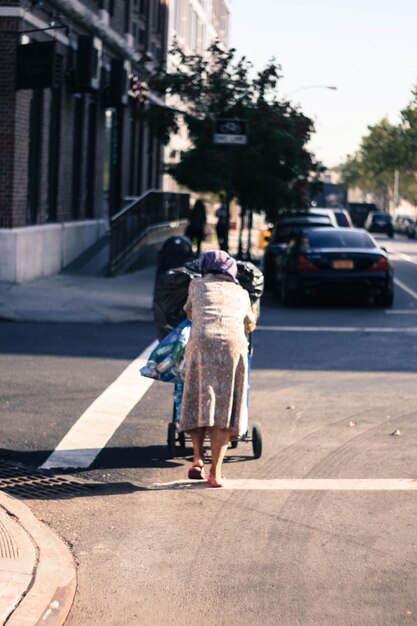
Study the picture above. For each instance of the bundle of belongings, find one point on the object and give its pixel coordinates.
(167, 361)
(171, 291)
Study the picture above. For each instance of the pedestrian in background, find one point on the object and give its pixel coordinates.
(222, 226)
(216, 378)
(197, 224)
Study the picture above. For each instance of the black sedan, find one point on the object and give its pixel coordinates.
(336, 262)
(285, 229)
(378, 222)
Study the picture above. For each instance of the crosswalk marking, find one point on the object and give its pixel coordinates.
(336, 329)
(299, 484)
(91, 432)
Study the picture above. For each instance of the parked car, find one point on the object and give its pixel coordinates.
(411, 228)
(378, 222)
(284, 230)
(323, 212)
(400, 223)
(336, 262)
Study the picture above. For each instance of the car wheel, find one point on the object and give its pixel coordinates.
(385, 300)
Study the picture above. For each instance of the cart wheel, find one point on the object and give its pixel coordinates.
(171, 438)
(181, 439)
(256, 441)
(233, 444)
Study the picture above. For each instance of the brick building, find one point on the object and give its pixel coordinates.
(73, 144)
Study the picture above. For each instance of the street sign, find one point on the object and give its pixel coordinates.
(229, 131)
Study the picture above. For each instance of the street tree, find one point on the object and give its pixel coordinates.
(271, 172)
(385, 149)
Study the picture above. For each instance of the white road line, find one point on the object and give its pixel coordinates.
(91, 432)
(404, 287)
(402, 312)
(334, 329)
(301, 484)
(406, 257)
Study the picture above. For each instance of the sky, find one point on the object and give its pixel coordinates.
(366, 48)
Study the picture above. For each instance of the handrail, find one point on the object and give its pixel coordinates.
(130, 224)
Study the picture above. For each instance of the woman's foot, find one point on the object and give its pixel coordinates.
(196, 472)
(213, 482)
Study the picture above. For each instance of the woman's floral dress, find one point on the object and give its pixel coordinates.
(216, 357)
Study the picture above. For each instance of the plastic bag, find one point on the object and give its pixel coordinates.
(167, 361)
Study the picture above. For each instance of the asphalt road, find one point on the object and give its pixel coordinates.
(329, 386)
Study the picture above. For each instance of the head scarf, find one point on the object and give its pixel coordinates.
(219, 262)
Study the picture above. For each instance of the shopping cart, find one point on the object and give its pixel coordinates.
(177, 440)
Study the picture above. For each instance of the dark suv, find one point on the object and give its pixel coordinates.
(378, 222)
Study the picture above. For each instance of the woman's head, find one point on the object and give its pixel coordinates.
(219, 262)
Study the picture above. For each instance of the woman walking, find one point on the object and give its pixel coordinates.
(215, 387)
(197, 224)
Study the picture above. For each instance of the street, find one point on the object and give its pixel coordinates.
(320, 530)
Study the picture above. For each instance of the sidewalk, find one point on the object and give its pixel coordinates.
(75, 298)
(37, 572)
(86, 299)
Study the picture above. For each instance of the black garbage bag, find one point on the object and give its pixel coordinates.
(176, 251)
(171, 291)
(250, 278)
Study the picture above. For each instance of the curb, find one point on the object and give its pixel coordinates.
(50, 595)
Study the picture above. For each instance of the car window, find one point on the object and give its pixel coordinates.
(341, 219)
(345, 239)
(285, 232)
(381, 217)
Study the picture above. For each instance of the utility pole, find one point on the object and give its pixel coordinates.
(396, 195)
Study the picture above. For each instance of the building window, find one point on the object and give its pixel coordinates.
(91, 159)
(54, 152)
(35, 155)
(77, 156)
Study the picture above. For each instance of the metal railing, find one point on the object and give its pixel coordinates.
(150, 211)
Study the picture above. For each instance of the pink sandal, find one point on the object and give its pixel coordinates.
(196, 473)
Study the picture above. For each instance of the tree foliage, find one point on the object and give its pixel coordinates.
(272, 170)
(387, 147)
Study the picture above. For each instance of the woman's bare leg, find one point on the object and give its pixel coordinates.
(197, 437)
(219, 438)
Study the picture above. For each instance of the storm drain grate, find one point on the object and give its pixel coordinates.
(26, 482)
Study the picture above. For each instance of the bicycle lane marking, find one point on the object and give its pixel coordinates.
(95, 427)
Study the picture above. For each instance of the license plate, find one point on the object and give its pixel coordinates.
(343, 265)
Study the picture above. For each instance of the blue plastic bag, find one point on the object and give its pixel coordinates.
(167, 361)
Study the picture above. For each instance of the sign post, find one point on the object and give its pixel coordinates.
(230, 132)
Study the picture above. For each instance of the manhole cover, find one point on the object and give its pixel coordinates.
(26, 482)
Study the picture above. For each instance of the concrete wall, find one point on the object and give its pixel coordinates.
(35, 251)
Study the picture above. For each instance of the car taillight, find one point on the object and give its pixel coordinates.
(380, 265)
(305, 264)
